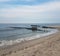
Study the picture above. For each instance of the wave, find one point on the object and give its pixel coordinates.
(11, 42)
(7, 29)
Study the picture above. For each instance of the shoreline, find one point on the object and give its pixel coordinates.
(12, 42)
(26, 45)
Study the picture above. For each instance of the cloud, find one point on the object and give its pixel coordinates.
(4, 0)
(22, 13)
(17, 0)
(26, 0)
(30, 11)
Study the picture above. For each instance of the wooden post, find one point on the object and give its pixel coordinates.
(34, 27)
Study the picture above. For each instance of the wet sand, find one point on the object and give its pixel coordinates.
(45, 46)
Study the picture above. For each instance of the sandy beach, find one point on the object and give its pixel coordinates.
(45, 46)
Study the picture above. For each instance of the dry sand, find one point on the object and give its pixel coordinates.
(45, 46)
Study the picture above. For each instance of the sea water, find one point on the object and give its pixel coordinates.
(9, 36)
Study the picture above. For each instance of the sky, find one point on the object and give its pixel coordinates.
(29, 11)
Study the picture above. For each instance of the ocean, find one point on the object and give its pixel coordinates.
(9, 36)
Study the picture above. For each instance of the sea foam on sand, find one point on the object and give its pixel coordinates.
(11, 42)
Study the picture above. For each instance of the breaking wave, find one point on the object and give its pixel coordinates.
(11, 42)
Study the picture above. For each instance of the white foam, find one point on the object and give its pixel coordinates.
(11, 42)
